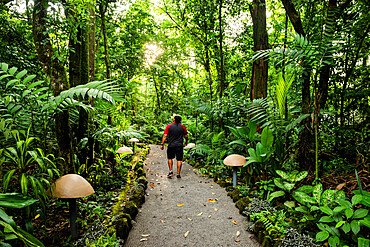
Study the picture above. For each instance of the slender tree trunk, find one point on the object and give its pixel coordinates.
(305, 152)
(91, 139)
(326, 68)
(221, 72)
(260, 40)
(58, 79)
(104, 30)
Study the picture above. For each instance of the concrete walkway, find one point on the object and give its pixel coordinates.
(191, 211)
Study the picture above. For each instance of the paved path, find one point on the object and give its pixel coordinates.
(191, 211)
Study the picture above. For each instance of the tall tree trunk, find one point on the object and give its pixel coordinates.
(260, 40)
(326, 68)
(305, 143)
(102, 10)
(221, 72)
(58, 79)
(91, 140)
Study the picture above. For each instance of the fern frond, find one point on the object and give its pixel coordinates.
(105, 90)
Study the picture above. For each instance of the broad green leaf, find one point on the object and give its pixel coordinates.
(339, 224)
(4, 66)
(279, 183)
(346, 227)
(301, 176)
(243, 131)
(21, 74)
(28, 79)
(366, 221)
(12, 70)
(305, 189)
(355, 226)
(326, 219)
(240, 142)
(252, 130)
(365, 197)
(334, 241)
(15, 200)
(276, 194)
(302, 209)
(260, 150)
(288, 186)
(7, 219)
(314, 208)
(363, 242)
(322, 236)
(267, 138)
(356, 199)
(345, 203)
(282, 174)
(348, 213)
(360, 213)
(326, 210)
(339, 209)
(316, 193)
(34, 84)
(303, 198)
(289, 204)
(327, 196)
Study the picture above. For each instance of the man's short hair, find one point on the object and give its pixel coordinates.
(177, 119)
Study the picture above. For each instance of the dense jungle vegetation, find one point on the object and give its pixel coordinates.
(283, 83)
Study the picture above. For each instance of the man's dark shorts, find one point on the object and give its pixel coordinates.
(175, 151)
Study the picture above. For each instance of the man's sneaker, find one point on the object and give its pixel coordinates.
(170, 174)
(178, 176)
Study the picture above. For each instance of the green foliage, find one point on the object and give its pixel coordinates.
(10, 230)
(286, 182)
(342, 220)
(104, 241)
(31, 168)
(274, 222)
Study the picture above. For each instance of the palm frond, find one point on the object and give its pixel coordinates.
(284, 83)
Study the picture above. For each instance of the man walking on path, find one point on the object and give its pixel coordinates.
(176, 133)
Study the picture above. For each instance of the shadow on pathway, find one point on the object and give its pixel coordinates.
(192, 206)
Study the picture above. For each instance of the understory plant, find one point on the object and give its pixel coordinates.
(10, 231)
(342, 225)
(31, 167)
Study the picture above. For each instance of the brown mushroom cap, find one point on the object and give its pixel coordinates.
(190, 145)
(122, 150)
(235, 160)
(133, 140)
(71, 186)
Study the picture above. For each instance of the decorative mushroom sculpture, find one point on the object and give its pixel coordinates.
(133, 140)
(71, 187)
(190, 145)
(123, 150)
(234, 160)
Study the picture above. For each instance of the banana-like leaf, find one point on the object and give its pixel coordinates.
(15, 200)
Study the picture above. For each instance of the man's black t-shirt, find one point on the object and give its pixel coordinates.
(175, 133)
